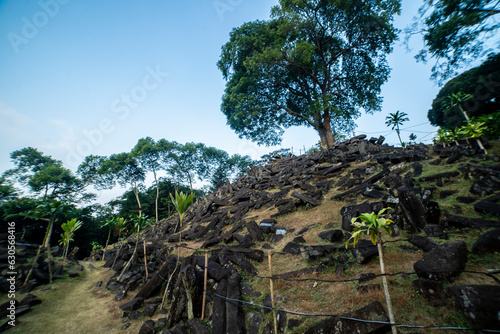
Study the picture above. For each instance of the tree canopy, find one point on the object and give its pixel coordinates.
(454, 32)
(314, 63)
(481, 83)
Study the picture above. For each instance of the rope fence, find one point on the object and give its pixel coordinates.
(277, 277)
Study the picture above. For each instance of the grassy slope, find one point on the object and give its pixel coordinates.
(76, 306)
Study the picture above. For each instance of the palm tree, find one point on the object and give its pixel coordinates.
(121, 225)
(110, 223)
(140, 222)
(69, 229)
(181, 203)
(474, 130)
(456, 100)
(396, 119)
(373, 225)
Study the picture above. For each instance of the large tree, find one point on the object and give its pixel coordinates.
(317, 63)
(481, 83)
(454, 32)
(44, 176)
(149, 154)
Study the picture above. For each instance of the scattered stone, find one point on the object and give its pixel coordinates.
(487, 243)
(196, 326)
(294, 323)
(464, 222)
(436, 231)
(135, 315)
(132, 305)
(478, 303)
(364, 251)
(71, 273)
(365, 277)
(444, 262)
(161, 324)
(466, 200)
(148, 327)
(254, 321)
(368, 288)
(447, 193)
(487, 207)
(432, 292)
(149, 310)
(332, 235)
(373, 311)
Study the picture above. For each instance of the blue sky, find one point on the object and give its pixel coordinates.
(92, 77)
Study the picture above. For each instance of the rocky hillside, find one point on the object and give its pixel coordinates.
(290, 219)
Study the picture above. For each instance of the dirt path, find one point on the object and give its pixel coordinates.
(75, 306)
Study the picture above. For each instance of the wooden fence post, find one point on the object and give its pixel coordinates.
(204, 287)
(269, 255)
(145, 262)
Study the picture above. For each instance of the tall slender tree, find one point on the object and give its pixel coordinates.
(148, 153)
(395, 120)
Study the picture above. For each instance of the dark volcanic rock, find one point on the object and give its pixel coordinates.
(414, 215)
(292, 248)
(364, 251)
(437, 231)
(332, 235)
(464, 222)
(196, 326)
(487, 243)
(373, 311)
(132, 305)
(478, 303)
(432, 292)
(424, 243)
(488, 207)
(311, 253)
(349, 212)
(444, 262)
(148, 327)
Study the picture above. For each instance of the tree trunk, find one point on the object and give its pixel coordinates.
(481, 145)
(46, 242)
(399, 136)
(130, 260)
(107, 241)
(325, 132)
(157, 194)
(464, 113)
(386, 289)
(136, 193)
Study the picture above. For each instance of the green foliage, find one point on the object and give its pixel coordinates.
(454, 32)
(492, 124)
(371, 224)
(481, 83)
(314, 63)
(95, 245)
(7, 190)
(181, 202)
(69, 228)
(140, 223)
(44, 176)
(473, 129)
